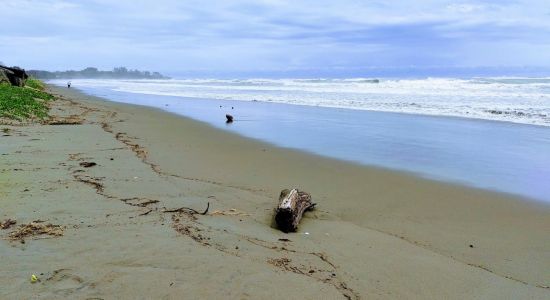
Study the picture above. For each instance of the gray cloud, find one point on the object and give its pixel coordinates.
(273, 34)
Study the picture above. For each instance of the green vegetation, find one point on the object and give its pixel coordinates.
(35, 83)
(23, 103)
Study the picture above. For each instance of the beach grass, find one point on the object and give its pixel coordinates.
(35, 84)
(19, 103)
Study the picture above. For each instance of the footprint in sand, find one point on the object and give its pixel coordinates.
(64, 282)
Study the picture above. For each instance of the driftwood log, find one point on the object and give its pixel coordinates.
(292, 205)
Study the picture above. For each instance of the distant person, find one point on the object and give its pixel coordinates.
(69, 85)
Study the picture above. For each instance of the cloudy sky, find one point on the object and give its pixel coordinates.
(260, 35)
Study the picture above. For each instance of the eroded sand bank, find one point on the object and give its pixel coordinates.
(375, 233)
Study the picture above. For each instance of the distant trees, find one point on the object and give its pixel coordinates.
(92, 72)
(120, 70)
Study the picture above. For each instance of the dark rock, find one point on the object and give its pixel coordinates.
(87, 164)
(5, 76)
(14, 76)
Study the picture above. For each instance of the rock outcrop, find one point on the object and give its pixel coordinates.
(14, 75)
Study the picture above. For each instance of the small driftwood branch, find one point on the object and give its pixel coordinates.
(292, 205)
(188, 209)
(7, 223)
(146, 213)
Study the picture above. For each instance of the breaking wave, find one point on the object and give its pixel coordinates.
(519, 100)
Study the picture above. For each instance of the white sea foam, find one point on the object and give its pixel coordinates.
(520, 100)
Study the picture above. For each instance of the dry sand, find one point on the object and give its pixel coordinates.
(375, 234)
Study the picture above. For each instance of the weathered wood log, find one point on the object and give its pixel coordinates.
(292, 205)
(229, 118)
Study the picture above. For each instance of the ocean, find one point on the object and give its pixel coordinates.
(490, 133)
(519, 100)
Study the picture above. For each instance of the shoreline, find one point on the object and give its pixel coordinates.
(384, 233)
(482, 169)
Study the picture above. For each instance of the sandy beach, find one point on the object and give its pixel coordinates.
(117, 179)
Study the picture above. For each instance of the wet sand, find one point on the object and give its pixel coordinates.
(375, 234)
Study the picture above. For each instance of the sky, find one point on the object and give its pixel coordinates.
(212, 36)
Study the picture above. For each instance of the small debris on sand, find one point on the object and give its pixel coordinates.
(87, 164)
(36, 228)
(7, 223)
(70, 120)
(285, 264)
(63, 122)
(231, 212)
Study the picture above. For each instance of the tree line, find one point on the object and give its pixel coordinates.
(91, 72)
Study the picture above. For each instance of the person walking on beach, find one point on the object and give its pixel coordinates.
(69, 85)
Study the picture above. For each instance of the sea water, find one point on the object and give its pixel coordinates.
(491, 133)
(519, 100)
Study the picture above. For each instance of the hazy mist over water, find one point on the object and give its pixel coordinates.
(396, 72)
